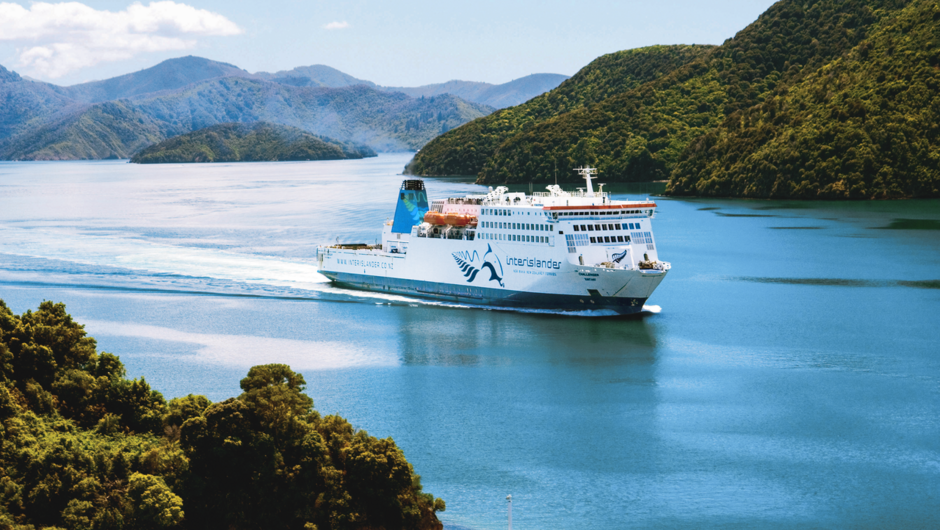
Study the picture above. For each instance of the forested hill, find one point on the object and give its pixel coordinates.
(466, 149)
(866, 125)
(82, 447)
(643, 133)
(639, 135)
(237, 142)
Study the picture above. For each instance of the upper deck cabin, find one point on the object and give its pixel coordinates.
(583, 218)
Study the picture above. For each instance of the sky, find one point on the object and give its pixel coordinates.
(404, 43)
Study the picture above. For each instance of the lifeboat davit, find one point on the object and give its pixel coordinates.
(452, 219)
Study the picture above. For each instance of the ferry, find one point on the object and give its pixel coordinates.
(555, 250)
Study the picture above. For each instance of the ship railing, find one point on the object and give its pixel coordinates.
(506, 201)
(579, 194)
(584, 195)
(473, 201)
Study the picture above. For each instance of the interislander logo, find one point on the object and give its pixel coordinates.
(467, 263)
(619, 257)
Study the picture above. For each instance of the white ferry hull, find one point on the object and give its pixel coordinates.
(538, 278)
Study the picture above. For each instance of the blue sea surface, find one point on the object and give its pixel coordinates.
(786, 373)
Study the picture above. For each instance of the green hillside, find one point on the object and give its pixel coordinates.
(640, 135)
(236, 142)
(82, 447)
(866, 125)
(465, 150)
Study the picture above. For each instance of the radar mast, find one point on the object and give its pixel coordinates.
(587, 173)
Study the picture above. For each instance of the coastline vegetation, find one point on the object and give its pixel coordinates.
(83, 447)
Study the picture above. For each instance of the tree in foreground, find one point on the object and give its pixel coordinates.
(83, 447)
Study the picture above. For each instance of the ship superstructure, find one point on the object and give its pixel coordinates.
(554, 250)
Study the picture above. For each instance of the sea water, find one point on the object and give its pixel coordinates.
(786, 372)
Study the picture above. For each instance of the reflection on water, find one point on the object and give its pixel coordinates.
(784, 375)
(913, 224)
(723, 214)
(923, 284)
(844, 282)
(465, 337)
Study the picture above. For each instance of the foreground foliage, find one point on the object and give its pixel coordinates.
(83, 447)
(259, 142)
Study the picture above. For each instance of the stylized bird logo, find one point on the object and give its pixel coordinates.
(470, 272)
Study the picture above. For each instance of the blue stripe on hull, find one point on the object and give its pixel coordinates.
(466, 294)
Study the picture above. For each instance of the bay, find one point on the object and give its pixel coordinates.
(786, 374)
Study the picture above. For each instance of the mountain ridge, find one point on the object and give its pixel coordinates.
(314, 75)
(498, 96)
(170, 74)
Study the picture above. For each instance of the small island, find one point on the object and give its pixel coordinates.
(256, 142)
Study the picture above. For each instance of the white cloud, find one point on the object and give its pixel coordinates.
(336, 25)
(55, 39)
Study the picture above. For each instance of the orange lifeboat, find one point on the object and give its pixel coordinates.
(456, 219)
(451, 219)
(434, 218)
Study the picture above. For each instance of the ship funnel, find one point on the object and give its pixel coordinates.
(412, 205)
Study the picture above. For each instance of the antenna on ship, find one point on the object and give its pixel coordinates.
(587, 174)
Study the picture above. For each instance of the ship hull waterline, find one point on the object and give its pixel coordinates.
(490, 297)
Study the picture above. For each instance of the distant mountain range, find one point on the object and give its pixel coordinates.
(496, 96)
(117, 117)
